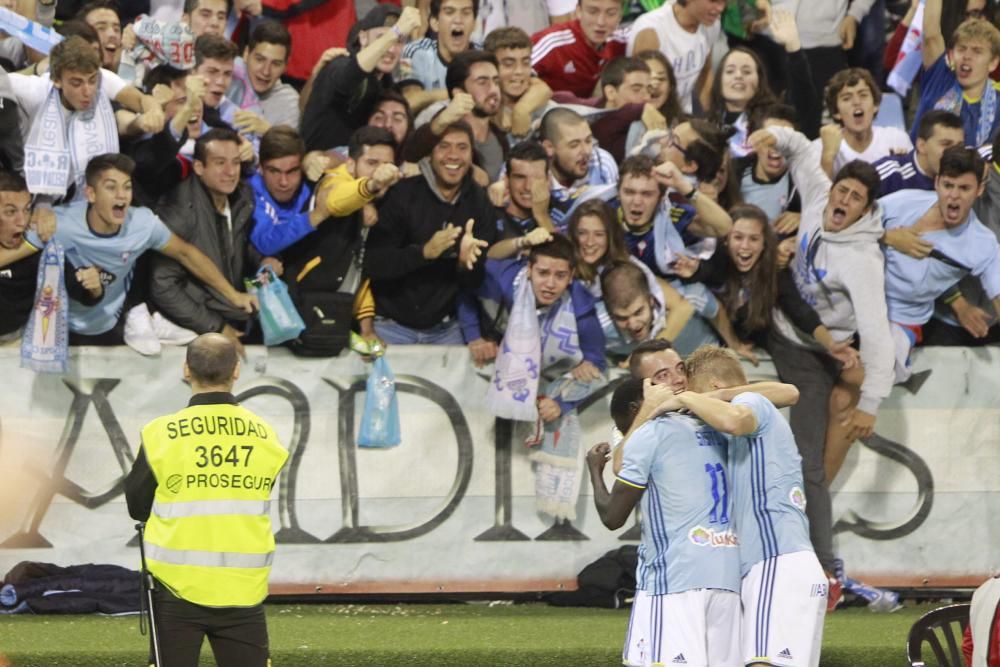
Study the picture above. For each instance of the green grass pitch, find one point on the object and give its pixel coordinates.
(426, 634)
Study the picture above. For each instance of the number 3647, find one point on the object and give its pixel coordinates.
(218, 455)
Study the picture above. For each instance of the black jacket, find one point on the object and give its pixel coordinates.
(189, 213)
(416, 292)
(343, 96)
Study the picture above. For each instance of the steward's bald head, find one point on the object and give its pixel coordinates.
(211, 360)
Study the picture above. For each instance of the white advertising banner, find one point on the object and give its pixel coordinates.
(452, 508)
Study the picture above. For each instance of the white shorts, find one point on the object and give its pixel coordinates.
(699, 628)
(784, 601)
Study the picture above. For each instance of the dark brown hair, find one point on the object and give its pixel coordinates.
(760, 282)
(617, 250)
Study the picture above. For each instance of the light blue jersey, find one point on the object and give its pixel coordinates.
(114, 256)
(912, 285)
(768, 497)
(687, 537)
(421, 63)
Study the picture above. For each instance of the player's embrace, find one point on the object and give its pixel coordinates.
(687, 606)
(784, 587)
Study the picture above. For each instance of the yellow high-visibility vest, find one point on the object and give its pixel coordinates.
(208, 537)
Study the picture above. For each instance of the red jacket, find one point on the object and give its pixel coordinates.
(562, 57)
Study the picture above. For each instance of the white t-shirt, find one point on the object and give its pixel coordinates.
(31, 92)
(687, 52)
(885, 141)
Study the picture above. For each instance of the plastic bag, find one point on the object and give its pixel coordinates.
(279, 320)
(380, 421)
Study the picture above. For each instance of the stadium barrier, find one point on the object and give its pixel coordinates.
(452, 508)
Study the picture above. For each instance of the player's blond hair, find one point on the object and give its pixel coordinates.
(979, 30)
(711, 362)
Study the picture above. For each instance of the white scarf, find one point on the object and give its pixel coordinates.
(528, 346)
(57, 147)
(910, 58)
(45, 343)
(669, 244)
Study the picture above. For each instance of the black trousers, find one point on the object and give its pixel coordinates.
(814, 374)
(237, 635)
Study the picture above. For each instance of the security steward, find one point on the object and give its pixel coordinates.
(202, 482)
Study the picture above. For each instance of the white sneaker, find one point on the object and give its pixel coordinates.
(139, 333)
(170, 333)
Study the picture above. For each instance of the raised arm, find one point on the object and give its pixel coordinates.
(933, 45)
(615, 507)
(711, 219)
(369, 56)
(808, 176)
(679, 311)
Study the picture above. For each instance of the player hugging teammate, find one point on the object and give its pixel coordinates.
(727, 576)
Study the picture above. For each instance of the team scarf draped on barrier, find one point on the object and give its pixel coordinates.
(952, 101)
(558, 455)
(45, 342)
(58, 146)
(32, 34)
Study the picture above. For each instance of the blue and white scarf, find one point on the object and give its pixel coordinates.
(32, 34)
(45, 343)
(157, 43)
(528, 346)
(57, 146)
(910, 58)
(952, 101)
(668, 243)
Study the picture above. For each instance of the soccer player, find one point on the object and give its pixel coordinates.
(687, 609)
(784, 587)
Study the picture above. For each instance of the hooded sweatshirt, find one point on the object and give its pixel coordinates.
(417, 292)
(840, 274)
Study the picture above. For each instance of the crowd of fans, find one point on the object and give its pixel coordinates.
(692, 170)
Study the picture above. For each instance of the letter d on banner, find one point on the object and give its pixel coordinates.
(350, 531)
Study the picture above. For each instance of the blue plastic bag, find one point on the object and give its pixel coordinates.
(279, 320)
(380, 421)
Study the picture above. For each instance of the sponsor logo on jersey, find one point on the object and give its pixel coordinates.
(819, 590)
(570, 68)
(785, 654)
(706, 537)
(679, 660)
(798, 498)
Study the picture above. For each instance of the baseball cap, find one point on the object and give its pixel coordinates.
(377, 17)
